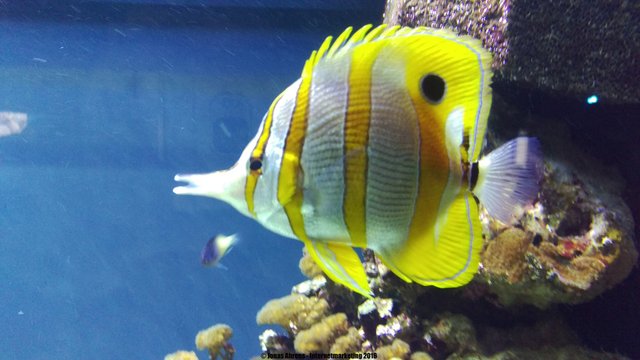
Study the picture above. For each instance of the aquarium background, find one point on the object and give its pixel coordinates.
(98, 258)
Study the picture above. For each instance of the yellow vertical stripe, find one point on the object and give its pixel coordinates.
(290, 192)
(356, 138)
(356, 131)
(258, 153)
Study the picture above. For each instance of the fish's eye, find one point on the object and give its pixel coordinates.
(255, 164)
(432, 87)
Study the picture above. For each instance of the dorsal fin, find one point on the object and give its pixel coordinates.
(365, 34)
(368, 33)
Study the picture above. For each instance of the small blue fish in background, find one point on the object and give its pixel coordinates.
(216, 248)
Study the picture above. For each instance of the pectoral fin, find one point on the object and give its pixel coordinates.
(342, 264)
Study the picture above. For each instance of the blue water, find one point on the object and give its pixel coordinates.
(98, 258)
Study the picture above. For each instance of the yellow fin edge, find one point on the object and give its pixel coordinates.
(341, 264)
(452, 260)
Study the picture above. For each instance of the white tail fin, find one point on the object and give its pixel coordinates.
(508, 177)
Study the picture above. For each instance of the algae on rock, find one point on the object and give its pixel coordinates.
(575, 47)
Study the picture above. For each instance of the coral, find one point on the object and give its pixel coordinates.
(181, 355)
(574, 49)
(322, 335)
(397, 350)
(293, 312)
(382, 307)
(350, 342)
(394, 327)
(573, 244)
(419, 355)
(216, 340)
(308, 266)
(415, 325)
(372, 314)
(505, 255)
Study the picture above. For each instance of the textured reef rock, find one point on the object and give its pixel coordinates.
(410, 322)
(574, 243)
(215, 340)
(570, 246)
(577, 47)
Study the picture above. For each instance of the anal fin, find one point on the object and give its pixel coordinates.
(451, 259)
(342, 264)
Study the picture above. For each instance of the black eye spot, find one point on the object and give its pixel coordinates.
(433, 88)
(255, 164)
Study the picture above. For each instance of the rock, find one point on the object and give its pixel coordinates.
(455, 331)
(429, 323)
(574, 47)
(310, 287)
(275, 343)
(574, 244)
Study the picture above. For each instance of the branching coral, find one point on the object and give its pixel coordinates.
(216, 340)
(321, 336)
(293, 312)
(350, 342)
(308, 266)
(397, 350)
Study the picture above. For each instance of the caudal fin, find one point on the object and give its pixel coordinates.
(508, 177)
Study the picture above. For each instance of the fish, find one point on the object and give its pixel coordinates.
(216, 248)
(377, 145)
